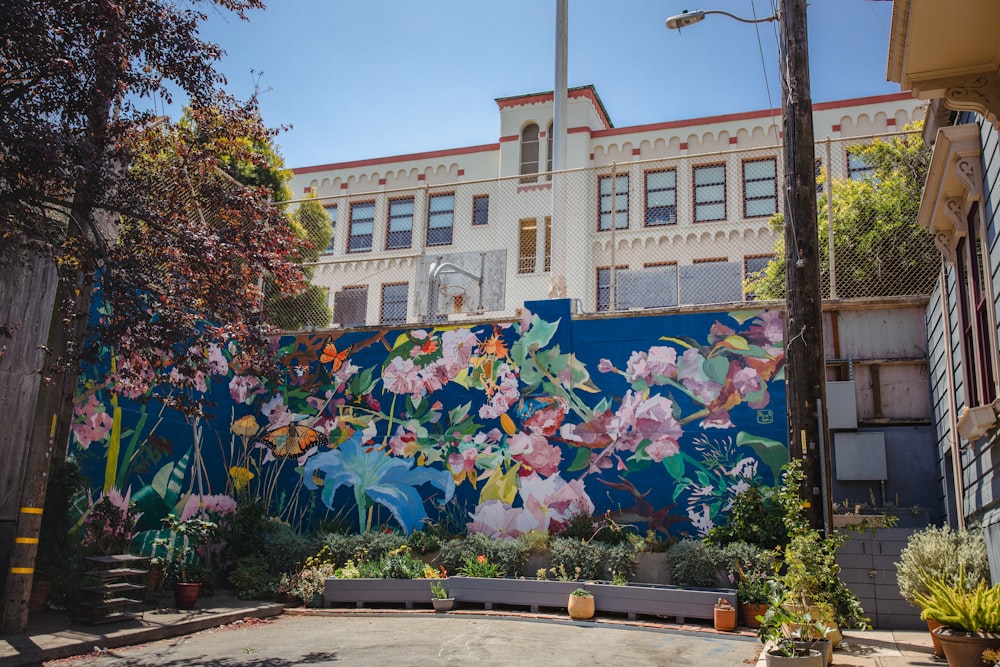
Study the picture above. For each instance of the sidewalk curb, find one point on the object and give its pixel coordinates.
(30, 653)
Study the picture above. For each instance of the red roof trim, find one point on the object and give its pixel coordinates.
(585, 92)
(747, 115)
(397, 158)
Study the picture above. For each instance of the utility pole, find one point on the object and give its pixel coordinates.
(805, 371)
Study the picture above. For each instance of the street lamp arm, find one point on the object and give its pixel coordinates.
(686, 18)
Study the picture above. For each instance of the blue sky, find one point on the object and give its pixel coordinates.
(371, 78)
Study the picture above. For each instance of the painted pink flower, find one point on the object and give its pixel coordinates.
(552, 501)
(692, 375)
(277, 412)
(215, 505)
(535, 453)
(605, 366)
(496, 519)
(661, 362)
(403, 443)
(462, 463)
(457, 346)
(243, 389)
(401, 376)
(547, 419)
(649, 419)
(96, 422)
(217, 362)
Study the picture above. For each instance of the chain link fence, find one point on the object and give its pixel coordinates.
(692, 230)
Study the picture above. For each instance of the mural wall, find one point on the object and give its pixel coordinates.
(658, 420)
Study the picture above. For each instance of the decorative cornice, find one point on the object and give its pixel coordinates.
(954, 183)
(980, 94)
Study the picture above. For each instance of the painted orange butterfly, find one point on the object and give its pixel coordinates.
(293, 440)
(330, 354)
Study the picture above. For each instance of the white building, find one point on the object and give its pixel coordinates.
(682, 208)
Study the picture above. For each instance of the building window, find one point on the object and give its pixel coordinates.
(548, 244)
(480, 209)
(362, 226)
(400, 224)
(394, 297)
(529, 153)
(858, 168)
(527, 244)
(331, 211)
(754, 267)
(613, 195)
(350, 306)
(760, 188)
(710, 193)
(604, 286)
(661, 198)
(440, 219)
(976, 343)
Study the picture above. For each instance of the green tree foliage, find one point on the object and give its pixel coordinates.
(880, 250)
(309, 307)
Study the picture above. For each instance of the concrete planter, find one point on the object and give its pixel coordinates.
(653, 600)
(530, 593)
(653, 568)
(360, 592)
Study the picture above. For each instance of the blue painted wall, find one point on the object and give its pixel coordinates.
(658, 420)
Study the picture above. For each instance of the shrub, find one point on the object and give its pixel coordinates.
(941, 553)
(535, 542)
(585, 559)
(695, 563)
(756, 517)
(621, 562)
(399, 564)
(251, 579)
(307, 584)
(509, 555)
(284, 549)
(342, 547)
(422, 542)
(376, 545)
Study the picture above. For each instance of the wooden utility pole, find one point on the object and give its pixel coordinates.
(805, 384)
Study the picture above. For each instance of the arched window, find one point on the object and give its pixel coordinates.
(529, 152)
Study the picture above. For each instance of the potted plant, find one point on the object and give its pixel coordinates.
(753, 589)
(581, 604)
(792, 637)
(181, 556)
(724, 617)
(440, 598)
(971, 618)
(940, 553)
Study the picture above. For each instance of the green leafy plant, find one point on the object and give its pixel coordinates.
(422, 542)
(251, 579)
(308, 583)
(756, 517)
(785, 626)
(954, 605)
(582, 593)
(479, 566)
(181, 547)
(695, 563)
(399, 564)
(438, 591)
(585, 559)
(109, 526)
(941, 553)
(620, 562)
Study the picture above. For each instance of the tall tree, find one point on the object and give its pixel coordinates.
(90, 183)
(309, 307)
(879, 249)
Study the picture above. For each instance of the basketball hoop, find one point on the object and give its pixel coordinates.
(452, 290)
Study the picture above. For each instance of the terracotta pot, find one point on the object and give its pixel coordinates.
(749, 611)
(965, 649)
(581, 607)
(40, 589)
(186, 594)
(724, 618)
(933, 625)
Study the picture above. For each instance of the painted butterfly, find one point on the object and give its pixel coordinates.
(293, 440)
(330, 354)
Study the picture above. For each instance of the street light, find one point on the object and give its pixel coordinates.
(686, 18)
(805, 369)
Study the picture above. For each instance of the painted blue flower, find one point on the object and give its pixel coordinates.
(377, 478)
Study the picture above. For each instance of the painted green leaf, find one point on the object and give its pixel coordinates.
(682, 341)
(716, 369)
(674, 466)
(457, 415)
(581, 460)
(774, 454)
(540, 334)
